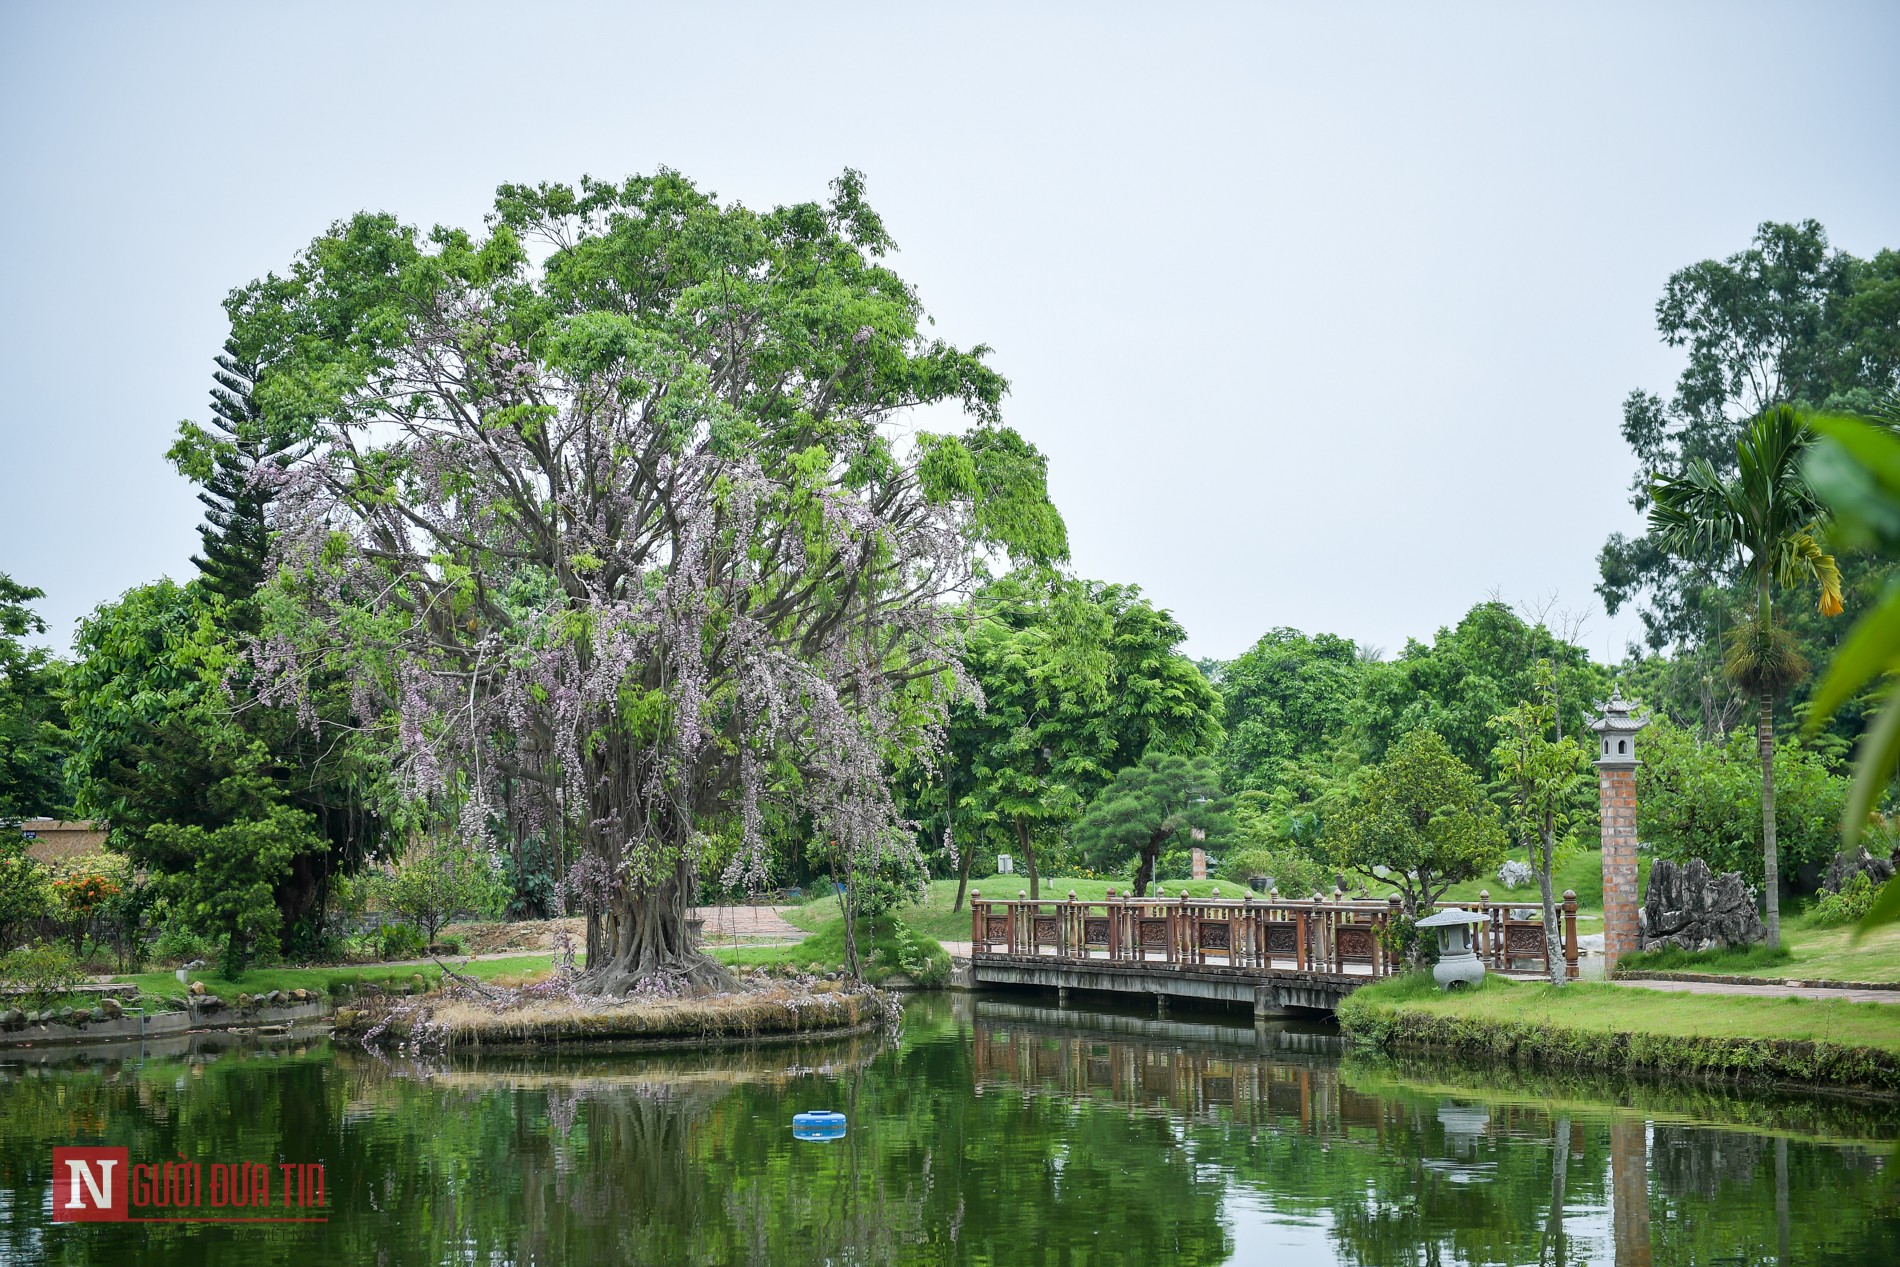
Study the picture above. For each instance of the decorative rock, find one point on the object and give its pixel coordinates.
(198, 987)
(112, 1008)
(244, 1002)
(300, 995)
(209, 1002)
(1690, 907)
(96, 1016)
(14, 1018)
(1841, 871)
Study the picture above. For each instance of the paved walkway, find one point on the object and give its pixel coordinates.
(1767, 990)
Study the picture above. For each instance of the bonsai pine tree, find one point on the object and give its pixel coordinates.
(1148, 806)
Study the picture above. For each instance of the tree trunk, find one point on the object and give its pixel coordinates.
(1553, 931)
(640, 940)
(1771, 863)
(1029, 856)
(1145, 869)
(1559, 1168)
(963, 878)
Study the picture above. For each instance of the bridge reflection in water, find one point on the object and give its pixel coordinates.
(1270, 1075)
(1500, 1164)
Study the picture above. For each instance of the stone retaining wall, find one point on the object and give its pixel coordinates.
(163, 1024)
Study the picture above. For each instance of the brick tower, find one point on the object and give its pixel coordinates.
(1616, 790)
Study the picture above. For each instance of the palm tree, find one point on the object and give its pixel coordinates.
(1767, 521)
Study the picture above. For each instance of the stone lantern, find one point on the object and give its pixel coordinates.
(1458, 962)
(1616, 728)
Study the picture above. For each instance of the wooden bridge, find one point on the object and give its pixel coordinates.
(1273, 953)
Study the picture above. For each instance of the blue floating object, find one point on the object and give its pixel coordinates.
(820, 1125)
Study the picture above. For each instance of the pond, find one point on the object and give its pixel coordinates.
(993, 1130)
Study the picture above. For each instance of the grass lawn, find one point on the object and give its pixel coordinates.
(884, 950)
(1808, 954)
(264, 980)
(1600, 1008)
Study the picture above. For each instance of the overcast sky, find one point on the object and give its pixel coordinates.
(1323, 313)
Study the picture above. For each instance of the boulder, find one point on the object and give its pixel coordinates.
(198, 987)
(112, 1007)
(1841, 872)
(14, 1018)
(1690, 907)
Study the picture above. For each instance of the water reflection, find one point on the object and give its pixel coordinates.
(995, 1131)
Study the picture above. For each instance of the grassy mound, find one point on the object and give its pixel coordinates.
(779, 1011)
(1594, 1025)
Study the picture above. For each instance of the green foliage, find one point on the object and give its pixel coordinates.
(1848, 905)
(224, 460)
(1696, 799)
(164, 753)
(177, 942)
(26, 891)
(1857, 471)
(1418, 821)
(1079, 679)
(1786, 321)
(437, 879)
(229, 888)
(1164, 801)
(1293, 874)
(1286, 697)
(45, 972)
(1543, 777)
(1469, 674)
(33, 738)
(401, 941)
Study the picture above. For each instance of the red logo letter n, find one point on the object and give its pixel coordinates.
(89, 1185)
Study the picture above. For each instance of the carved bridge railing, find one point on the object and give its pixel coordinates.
(1340, 937)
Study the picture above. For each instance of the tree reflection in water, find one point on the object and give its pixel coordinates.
(995, 1131)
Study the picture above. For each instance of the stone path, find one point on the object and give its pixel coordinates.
(752, 923)
(1767, 990)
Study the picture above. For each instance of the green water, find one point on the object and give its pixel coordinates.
(990, 1131)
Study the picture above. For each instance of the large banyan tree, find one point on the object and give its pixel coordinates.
(616, 502)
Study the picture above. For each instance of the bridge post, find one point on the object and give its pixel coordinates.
(1265, 1005)
(1570, 934)
(1161, 1004)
